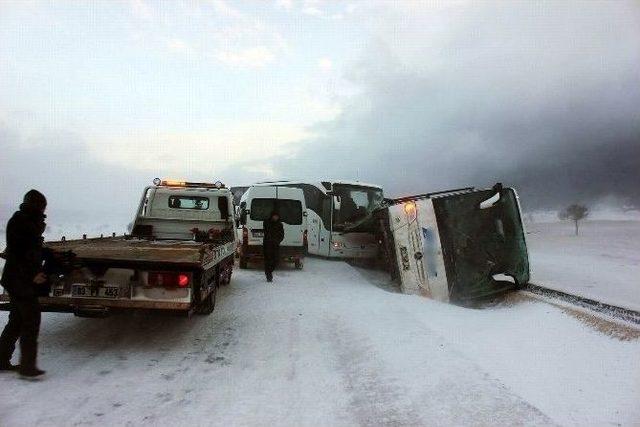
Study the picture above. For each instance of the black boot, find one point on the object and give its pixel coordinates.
(7, 366)
(31, 373)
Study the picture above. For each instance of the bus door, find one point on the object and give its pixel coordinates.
(324, 227)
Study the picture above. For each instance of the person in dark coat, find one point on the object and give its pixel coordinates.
(273, 236)
(21, 278)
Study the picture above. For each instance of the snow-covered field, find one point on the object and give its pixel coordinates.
(602, 263)
(332, 345)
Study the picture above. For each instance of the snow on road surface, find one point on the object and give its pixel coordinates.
(326, 346)
(602, 263)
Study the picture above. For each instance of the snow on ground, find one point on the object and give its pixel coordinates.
(602, 263)
(329, 346)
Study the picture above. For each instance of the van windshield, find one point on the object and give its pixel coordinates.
(290, 210)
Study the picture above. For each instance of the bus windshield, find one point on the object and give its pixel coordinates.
(356, 207)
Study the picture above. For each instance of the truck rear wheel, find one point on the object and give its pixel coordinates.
(243, 262)
(227, 276)
(208, 304)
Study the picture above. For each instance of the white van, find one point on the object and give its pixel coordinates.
(256, 205)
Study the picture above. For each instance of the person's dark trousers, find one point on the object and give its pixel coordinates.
(271, 253)
(24, 324)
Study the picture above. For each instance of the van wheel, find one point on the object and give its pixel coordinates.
(243, 262)
(299, 264)
(208, 305)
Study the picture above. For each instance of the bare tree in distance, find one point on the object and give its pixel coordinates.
(575, 213)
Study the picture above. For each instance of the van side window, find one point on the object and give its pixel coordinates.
(189, 202)
(290, 210)
(261, 208)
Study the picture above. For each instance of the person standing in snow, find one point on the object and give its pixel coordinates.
(21, 278)
(273, 236)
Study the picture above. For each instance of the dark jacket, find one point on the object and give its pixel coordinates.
(24, 252)
(273, 232)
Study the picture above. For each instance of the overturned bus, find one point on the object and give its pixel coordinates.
(455, 246)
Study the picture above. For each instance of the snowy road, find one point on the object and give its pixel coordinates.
(326, 346)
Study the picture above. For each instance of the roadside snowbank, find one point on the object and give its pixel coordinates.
(602, 263)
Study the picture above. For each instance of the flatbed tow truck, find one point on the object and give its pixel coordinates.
(179, 251)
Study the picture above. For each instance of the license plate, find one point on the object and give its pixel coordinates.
(85, 291)
(258, 234)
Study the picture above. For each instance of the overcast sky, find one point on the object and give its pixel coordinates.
(97, 97)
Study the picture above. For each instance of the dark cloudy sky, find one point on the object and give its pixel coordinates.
(98, 98)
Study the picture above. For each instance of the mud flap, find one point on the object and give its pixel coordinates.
(91, 311)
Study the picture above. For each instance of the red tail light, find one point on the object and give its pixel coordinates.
(245, 236)
(305, 239)
(183, 280)
(168, 279)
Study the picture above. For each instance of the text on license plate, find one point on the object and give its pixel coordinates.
(95, 292)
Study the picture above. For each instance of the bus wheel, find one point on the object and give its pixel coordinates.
(243, 262)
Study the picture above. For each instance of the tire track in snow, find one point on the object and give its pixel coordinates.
(376, 398)
(455, 390)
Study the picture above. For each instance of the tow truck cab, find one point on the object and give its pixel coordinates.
(174, 210)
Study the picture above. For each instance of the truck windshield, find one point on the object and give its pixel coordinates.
(290, 210)
(357, 204)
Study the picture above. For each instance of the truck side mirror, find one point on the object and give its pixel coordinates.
(243, 213)
(223, 207)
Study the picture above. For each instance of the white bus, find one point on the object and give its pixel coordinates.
(340, 224)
